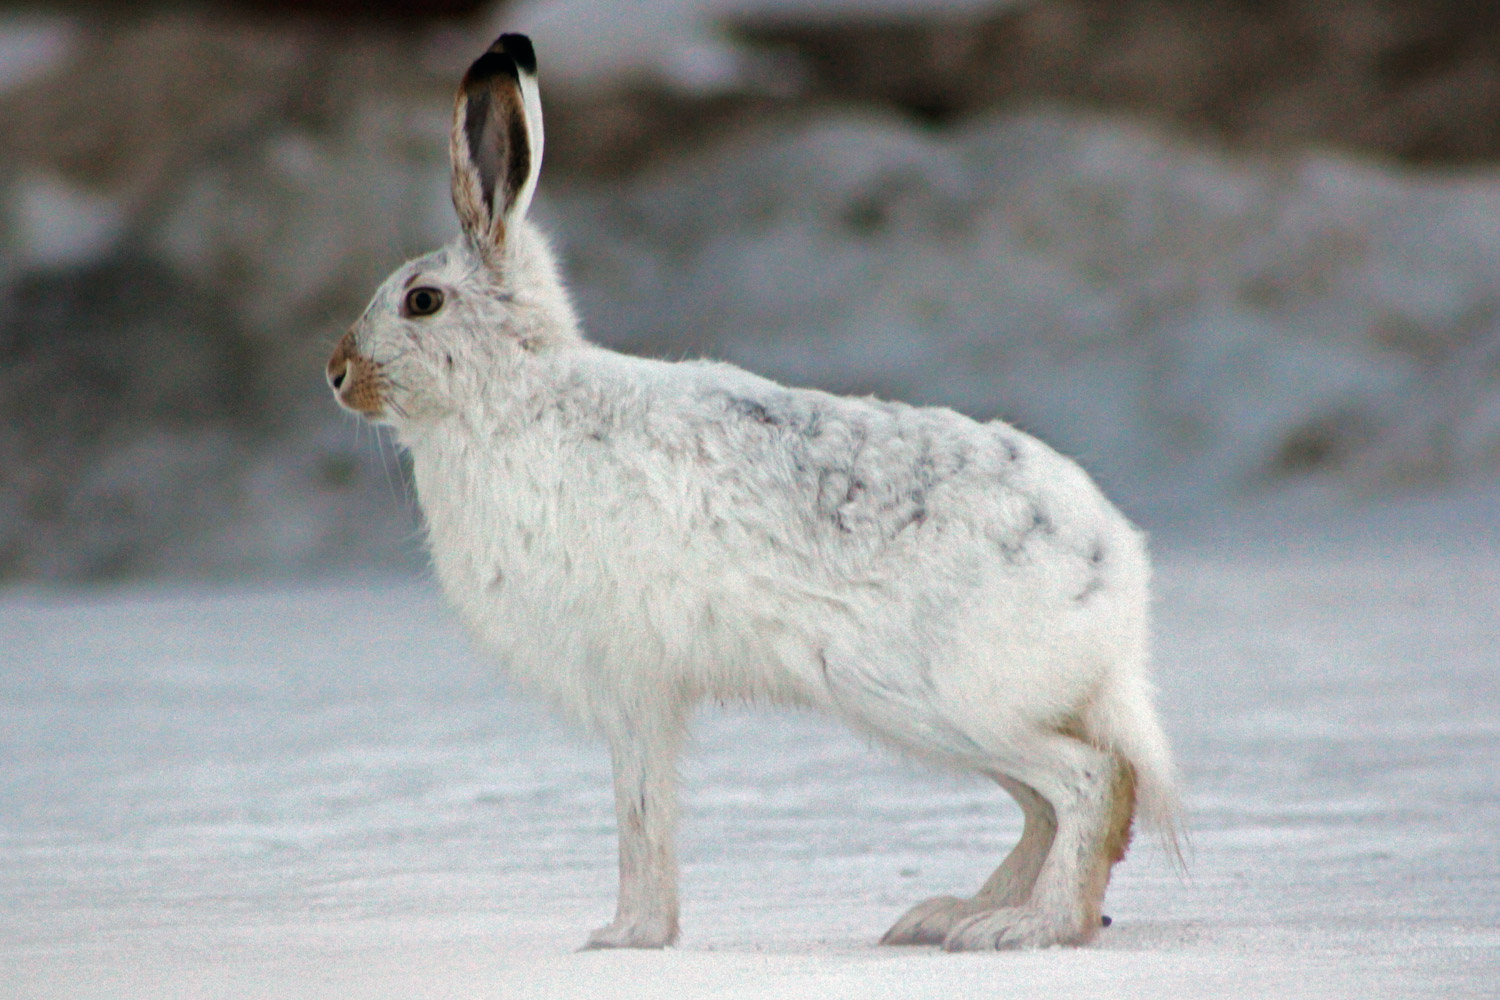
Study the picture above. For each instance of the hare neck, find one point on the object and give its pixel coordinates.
(518, 396)
(509, 463)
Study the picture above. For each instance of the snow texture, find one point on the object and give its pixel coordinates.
(323, 792)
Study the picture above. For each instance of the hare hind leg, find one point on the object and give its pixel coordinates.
(1091, 795)
(930, 921)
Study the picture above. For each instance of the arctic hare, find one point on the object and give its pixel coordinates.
(630, 536)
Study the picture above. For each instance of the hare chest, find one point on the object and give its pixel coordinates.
(591, 578)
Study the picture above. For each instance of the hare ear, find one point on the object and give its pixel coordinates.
(496, 144)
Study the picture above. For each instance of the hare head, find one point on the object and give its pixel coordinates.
(446, 326)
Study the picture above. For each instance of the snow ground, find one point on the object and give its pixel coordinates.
(323, 792)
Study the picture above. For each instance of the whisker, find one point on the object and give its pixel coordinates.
(408, 497)
(390, 482)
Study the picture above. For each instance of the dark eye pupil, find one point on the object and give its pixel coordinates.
(423, 301)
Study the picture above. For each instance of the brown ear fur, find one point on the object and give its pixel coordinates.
(490, 147)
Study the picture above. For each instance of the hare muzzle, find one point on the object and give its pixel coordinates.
(355, 379)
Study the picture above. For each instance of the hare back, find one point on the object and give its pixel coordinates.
(646, 530)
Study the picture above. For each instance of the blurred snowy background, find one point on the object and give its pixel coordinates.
(1230, 255)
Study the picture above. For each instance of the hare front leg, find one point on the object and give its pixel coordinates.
(644, 752)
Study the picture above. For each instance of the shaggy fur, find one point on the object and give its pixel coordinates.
(630, 536)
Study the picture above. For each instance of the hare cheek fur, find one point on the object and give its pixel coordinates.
(631, 536)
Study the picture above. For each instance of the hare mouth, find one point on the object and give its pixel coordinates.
(361, 398)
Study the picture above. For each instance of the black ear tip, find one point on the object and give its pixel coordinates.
(489, 65)
(518, 47)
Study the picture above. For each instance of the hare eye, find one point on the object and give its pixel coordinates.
(423, 301)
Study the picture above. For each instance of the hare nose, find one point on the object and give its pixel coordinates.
(338, 365)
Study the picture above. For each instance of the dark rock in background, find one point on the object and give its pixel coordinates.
(97, 361)
(137, 437)
(1412, 79)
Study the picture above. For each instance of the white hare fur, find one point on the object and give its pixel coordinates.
(631, 536)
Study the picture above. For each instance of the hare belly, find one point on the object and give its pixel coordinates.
(582, 626)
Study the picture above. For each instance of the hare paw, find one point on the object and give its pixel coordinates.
(648, 932)
(1013, 928)
(930, 920)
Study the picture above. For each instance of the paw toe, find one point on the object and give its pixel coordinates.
(1010, 929)
(929, 921)
(632, 934)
